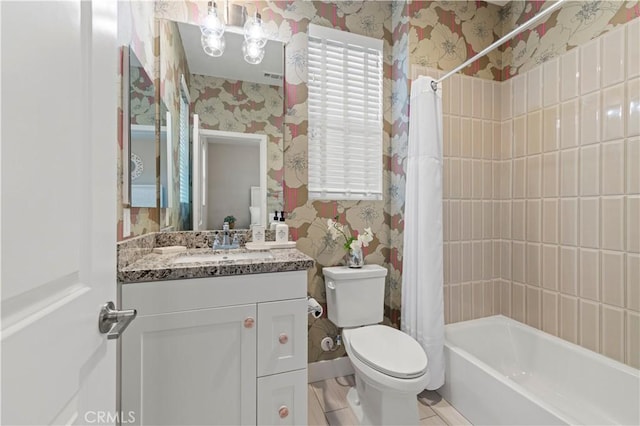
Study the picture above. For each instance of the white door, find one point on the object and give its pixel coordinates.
(58, 187)
(196, 194)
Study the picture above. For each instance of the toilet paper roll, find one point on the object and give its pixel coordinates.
(314, 308)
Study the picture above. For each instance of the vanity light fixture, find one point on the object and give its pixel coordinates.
(252, 52)
(212, 45)
(254, 40)
(212, 24)
(213, 28)
(254, 32)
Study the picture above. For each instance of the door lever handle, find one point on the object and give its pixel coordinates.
(114, 322)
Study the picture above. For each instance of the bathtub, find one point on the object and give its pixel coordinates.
(499, 371)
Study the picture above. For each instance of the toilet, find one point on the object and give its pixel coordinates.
(390, 366)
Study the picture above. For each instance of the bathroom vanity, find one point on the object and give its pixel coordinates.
(224, 349)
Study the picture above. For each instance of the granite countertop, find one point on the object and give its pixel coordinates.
(162, 267)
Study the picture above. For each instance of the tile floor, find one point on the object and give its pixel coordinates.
(328, 405)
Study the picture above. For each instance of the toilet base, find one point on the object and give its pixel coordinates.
(372, 406)
(354, 403)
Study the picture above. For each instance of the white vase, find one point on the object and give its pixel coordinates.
(355, 258)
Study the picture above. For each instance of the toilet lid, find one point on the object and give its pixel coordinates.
(389, 351)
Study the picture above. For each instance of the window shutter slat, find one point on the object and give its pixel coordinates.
(184, 150)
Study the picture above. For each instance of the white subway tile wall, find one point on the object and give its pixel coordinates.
(543, 198)
(569, 66)
(474, 147)
(613, 58)
(590, 66)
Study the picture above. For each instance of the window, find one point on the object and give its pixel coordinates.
(184, 145)
(345, 115)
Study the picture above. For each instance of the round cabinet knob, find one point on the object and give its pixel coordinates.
(248, 322)
(283, 338)
(283, 411)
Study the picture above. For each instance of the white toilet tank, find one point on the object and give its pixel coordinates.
(355, 296)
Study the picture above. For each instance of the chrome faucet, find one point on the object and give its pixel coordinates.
(225, 234)
(227, 243)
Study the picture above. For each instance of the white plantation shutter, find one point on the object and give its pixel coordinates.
(184, 150)
(345, 115)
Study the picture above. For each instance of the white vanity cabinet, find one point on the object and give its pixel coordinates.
(224, 350)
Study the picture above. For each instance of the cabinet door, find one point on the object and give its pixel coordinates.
(191, 367)
(282, 336)
(282, 399)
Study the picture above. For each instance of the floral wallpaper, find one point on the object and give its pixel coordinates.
(142, 92)
(575, 23)
(240, 106)
(172, 66)
(444, 34)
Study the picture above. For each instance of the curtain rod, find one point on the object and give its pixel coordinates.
(511, 34)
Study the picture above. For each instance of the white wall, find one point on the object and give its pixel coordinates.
(232, 170)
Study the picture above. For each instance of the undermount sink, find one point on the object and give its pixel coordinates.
(225, 257)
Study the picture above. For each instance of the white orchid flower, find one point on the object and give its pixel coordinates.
(337, 229)
(356, 244)
(366, 237)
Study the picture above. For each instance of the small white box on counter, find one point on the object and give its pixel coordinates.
(282, 233)
(257, 234)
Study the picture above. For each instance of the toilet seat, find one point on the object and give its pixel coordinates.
(388, 351)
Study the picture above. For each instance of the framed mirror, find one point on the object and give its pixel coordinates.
(141, 114)
(235, 157)
(166, 168)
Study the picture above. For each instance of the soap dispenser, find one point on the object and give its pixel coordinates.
(282, 230)
(275, 222)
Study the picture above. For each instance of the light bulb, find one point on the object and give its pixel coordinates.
(212, 24)
(252, 52)
(254, 32)
(212, 45)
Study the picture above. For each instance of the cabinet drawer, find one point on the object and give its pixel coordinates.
(282, 399)
(282, 336)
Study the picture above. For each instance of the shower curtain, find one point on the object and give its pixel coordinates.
(422, 263)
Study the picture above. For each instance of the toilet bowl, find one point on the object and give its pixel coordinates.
(391, 369)
(390, 366)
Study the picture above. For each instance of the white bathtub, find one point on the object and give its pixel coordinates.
(502, 372)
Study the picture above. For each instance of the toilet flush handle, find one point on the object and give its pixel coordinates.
(331, 285)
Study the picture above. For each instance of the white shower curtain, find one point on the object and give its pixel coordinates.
(422, 263)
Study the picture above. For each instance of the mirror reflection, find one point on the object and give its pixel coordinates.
(235, 158)
(165, 156)
(142, 133)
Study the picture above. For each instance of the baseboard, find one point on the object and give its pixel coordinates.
(330, 369)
